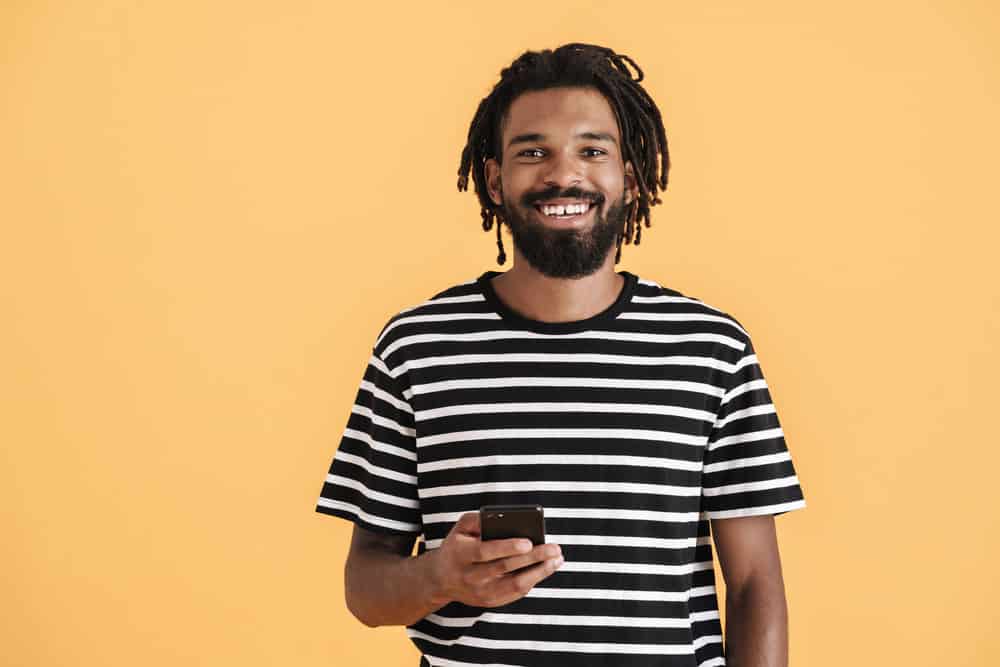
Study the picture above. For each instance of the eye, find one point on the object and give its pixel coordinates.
(530, 150)
(598, 151)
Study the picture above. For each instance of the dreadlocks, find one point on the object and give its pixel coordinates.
(639, 124)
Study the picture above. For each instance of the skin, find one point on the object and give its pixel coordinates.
(559, 158)
(384, 583)
(756, 609)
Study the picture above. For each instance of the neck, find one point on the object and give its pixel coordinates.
(545, 299)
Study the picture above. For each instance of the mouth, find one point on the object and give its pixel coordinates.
(564, 213)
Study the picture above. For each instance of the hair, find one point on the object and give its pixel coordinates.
(640, 125)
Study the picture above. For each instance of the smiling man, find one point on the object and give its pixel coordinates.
(560, 141)
(637, 417)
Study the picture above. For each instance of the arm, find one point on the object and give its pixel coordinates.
(756, 611)
(384, 584)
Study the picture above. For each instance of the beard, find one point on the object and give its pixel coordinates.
(564, 253)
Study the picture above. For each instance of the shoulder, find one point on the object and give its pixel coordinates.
(457, 301)
(654, 300)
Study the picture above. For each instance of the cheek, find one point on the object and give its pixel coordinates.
(608, 178)
(616, 182)
(514, 185)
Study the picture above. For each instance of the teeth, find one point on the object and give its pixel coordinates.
(570, 209)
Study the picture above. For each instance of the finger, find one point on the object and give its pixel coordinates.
(516, 586)
(486, 572)
(491, 550)
(468, 523)
(483, 573)
(538, 554)
(532, 575)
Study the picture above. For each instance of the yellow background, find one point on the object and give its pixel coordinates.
(210, 209)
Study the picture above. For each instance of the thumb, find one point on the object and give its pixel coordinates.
(467, 524)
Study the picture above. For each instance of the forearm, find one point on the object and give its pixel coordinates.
(757, 626)
(388, 589)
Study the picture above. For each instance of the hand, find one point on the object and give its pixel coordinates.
(481, 573)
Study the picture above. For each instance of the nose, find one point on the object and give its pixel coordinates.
(564, 171)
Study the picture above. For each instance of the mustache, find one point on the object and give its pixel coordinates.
(532, 198)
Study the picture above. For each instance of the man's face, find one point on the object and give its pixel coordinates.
(561, 147)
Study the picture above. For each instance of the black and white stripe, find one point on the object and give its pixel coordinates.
(632, 429)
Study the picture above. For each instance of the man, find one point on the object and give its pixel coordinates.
(635, 415)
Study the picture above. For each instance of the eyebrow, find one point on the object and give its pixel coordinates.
(536, 137)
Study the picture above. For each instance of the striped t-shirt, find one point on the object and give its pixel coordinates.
(631, 428)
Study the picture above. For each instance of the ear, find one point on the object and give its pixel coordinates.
(631, 184)
(492, 171)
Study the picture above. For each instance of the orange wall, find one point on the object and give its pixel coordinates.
(209, 210)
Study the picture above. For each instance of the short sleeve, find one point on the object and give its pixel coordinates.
(748, 469)
(372, 479)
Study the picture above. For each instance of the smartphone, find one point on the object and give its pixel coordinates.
(498, 522)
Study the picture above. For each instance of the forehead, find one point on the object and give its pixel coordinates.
(560, 111)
